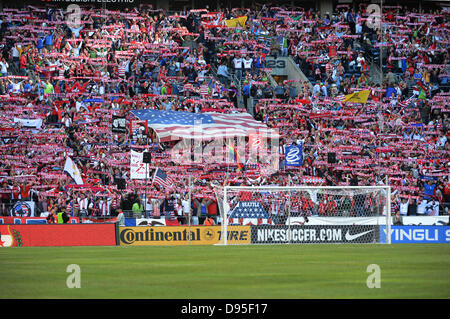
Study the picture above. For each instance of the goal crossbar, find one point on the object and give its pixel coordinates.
(228, 189)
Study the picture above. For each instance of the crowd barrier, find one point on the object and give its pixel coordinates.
(112, 234)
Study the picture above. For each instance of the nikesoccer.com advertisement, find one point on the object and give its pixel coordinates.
(315, 234)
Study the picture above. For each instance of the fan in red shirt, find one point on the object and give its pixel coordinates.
(25, 191)
(331, 207)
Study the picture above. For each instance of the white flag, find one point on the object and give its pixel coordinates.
(73, 171)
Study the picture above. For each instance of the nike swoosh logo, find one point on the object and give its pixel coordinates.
(349, 237)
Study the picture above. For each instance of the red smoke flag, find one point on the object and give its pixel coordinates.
(256, 141)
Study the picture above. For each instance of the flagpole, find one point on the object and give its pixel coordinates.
(145, 190)
(146, 177)
(189, 216)
(383, 38)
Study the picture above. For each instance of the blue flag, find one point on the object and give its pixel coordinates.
(294, 155)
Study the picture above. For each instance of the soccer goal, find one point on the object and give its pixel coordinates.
(305, 214)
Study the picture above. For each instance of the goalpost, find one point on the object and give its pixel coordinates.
(305, 214)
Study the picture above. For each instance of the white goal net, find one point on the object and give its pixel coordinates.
(304, 214)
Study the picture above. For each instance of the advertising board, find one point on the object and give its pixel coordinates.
(174, 235)
(58, 235)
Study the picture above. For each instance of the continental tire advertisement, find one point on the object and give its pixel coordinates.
(173, 235)
(315, 234)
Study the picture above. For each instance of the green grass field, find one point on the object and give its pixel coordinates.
(272, 271)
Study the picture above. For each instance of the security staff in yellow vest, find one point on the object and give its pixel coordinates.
(62, 218)
(59, 218)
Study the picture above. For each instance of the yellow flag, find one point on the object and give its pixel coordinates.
(358, 97)
(233, 23)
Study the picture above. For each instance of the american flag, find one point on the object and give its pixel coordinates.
(173, 125)
(161, 178)
(249, 213)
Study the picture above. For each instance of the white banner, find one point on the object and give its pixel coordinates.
(36, 123)
(381, 220)
(137, 166)
(23, 209)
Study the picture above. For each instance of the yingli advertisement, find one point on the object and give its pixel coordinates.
(58, 235)
(173, 235)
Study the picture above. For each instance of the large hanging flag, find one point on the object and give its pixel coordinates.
(71, 168)
(173, 125)
(357, 97)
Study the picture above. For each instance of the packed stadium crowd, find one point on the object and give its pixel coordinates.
(62, 85)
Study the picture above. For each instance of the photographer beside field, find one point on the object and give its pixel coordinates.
(120, 217)
(397, 220)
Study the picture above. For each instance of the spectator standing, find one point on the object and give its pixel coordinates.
(202, 210)
(121, 217)
(4, 67)
(237, 64)
(246, 93)
(222, 73)
(397, 219)
(137, 208)
(404, 204)
(248, 65)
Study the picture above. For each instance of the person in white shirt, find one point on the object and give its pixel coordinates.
(148, 206)
(4, 67)
(80, 104)
(316, 90)
(75, 48)
(121, 218)
(103, 207)
(186, 204)
(76, 31)
(16, 55)
(248, 63)
(324, 90)
(67, 121)
(404, 203)
(441, 141)
(360, 61)
(16, 86)
(237, 64)
(84, 203)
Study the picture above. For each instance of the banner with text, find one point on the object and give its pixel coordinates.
(314, 234)
(174, 235)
